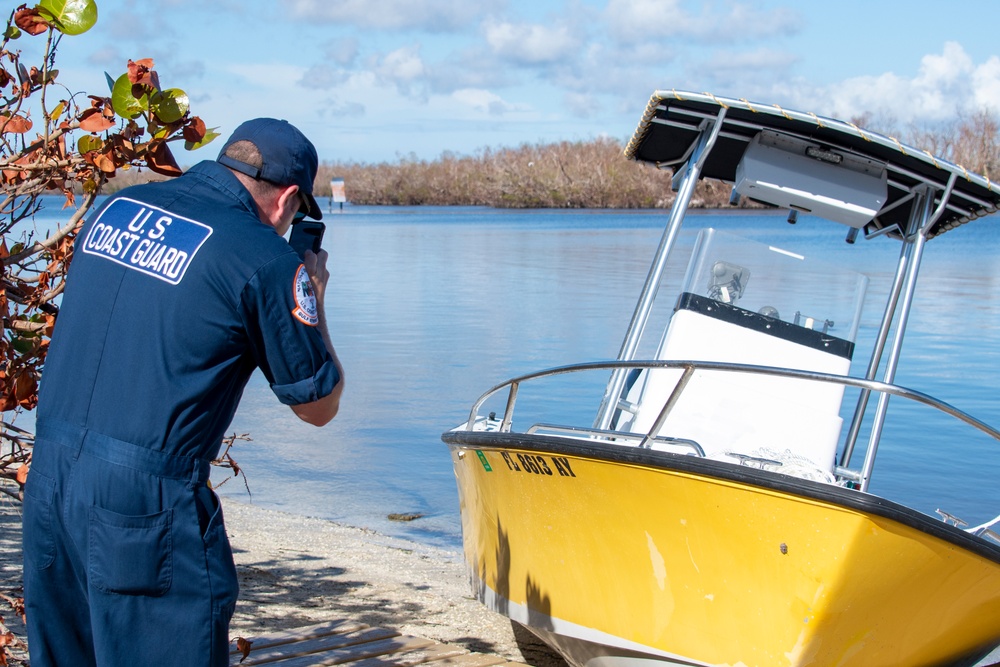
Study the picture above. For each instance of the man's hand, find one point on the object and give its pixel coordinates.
(316, 268)
(321, 411)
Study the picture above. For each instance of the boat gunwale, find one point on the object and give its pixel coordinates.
(731, 472)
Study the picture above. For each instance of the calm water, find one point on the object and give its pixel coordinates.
(429, 307)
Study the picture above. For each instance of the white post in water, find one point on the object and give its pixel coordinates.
(337, 193)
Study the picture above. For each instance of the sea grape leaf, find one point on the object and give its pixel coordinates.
(169, 105)
(141, 71)
(14, 124)
(88, 143)
(160, 160)
(70, 17)
(92, 120)
(30, 21)
(191, 132)
(124, 102)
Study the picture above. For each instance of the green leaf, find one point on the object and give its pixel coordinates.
(89, 142)
(71, 17)
(22, 343)
(111, 82)
(169, 105)
(12, 32)
(124, 103)
(210, 134)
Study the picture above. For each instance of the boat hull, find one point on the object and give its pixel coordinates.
(616, 556)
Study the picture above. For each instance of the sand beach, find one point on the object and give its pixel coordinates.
(295, 571)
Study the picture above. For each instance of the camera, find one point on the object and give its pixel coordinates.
(306, 235)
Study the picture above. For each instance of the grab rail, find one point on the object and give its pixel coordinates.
(688, 367)
(616, 435)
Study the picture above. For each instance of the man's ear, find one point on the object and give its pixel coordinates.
(289, 196)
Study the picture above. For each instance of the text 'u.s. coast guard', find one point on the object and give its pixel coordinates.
(146, 238)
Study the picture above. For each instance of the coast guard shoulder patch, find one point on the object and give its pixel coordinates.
(305, 298)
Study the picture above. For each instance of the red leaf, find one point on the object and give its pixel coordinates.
(26, 391)
(140, 71)
(161, 161)
(22, 473)
(194, 131)
(243, 646)
(104, 161)
(92, 120)
(14, 124)
(30, 20)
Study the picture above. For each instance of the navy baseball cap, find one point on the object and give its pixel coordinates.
(288, 157)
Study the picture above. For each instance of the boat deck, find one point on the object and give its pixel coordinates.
(345, 642)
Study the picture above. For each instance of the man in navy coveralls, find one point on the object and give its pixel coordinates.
(177, 292)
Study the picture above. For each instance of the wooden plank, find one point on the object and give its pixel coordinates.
(470, 660)
(345, 642)
(278, 638)
(433, 652)
(375, 651)
(287, 650)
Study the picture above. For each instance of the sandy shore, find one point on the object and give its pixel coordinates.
(296, 571)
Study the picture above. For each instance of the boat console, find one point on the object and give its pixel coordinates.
(748, 303)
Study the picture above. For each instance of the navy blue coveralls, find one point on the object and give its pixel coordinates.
(176, 293)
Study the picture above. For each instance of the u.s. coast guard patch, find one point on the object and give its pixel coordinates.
(305, 298)
(146, 238)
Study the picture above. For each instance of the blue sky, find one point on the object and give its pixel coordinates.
(374, 80)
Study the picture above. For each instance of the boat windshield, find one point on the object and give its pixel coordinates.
(777, 284)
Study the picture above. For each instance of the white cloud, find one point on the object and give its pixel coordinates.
(943, 70)
(647, 20)
(342, 109)
(402, 66)
(342, 51)
(484, 101)
(986, 84)
(429, 15)
(324, 76)
(946, 85)
(469, 68)
(942, 88)
(272, 76)
(756, 60)
(582, 105)
(643, 19)
(106, 55)
(530, 44)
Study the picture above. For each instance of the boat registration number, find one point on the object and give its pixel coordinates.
(536, 464)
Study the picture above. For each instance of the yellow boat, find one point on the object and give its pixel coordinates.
(711, 513)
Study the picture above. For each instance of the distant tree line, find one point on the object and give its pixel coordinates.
(583, 174)
(594, 174)
(591, 174)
